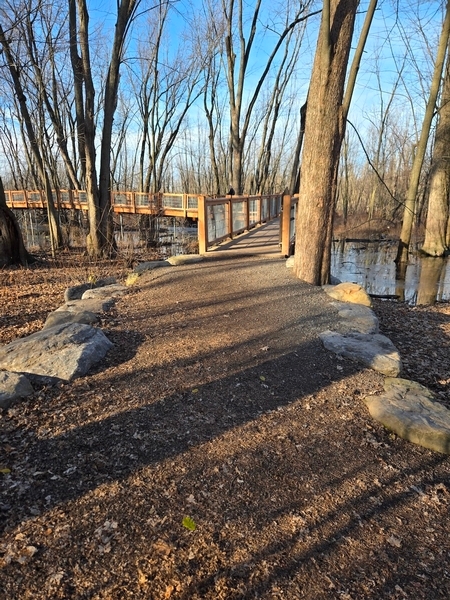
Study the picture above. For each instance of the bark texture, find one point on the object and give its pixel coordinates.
(12, 249)
(435, 243)
(324, 132)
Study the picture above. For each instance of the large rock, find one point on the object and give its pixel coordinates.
(109, 291)
(410, 410)
(13, 386)
(76, 291)
(349, 292)
(185, 259)
(375, 351)
(60, 352)
(150, 265)
(60, 317)
(95, 305)
(356, 317)
(290, 262)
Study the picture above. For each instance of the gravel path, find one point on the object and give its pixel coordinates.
(219, 453)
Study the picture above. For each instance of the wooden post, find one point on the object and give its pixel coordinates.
(202, 225)
(247, 214)
(286, 225)
(230, 218)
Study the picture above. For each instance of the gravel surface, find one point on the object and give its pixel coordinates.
(219, 452)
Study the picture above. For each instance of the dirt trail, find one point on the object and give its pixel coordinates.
(220, 453)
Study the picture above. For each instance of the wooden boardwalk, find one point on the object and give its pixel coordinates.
(243, 224)
(263, 240)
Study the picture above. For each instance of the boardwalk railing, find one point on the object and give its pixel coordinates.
(224, 218)
(171, 205)
(218, 218)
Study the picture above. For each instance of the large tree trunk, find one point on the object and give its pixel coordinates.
(435, 243)
(105, 225)
(324, 132)
(12, 248)
(100, 240)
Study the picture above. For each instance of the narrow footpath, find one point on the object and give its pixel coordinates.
(219, 453)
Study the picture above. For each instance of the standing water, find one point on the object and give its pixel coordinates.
(371, 264)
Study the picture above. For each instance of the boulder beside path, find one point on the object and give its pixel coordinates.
(361, 341)
(13, 386)
(60, 352)
(349, 292)
(410, 410)
(67, 346)
(372, 350)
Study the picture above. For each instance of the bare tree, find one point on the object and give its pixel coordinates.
(410, 202)
(271, 113)
(100, 240)
(13, 63)
(169, 85)
(47, 78)
(324, 132)
(239, 43)
(437, 236)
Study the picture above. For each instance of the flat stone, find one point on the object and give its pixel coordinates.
(60, 317)
(372, 350)
(348, 292)
(150, 265)
(95, 305)
(13, 387)
(185, 259)
(411, 411)
(108, 291)
(357, 318)
(76, 291)
(62, 352)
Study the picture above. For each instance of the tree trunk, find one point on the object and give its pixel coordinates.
(100, 240)
(12, 248)
(324, 132)
(435, 243)
(295, 175)
(105, 225)
(431, 271)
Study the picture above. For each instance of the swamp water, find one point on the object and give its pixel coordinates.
(371, 264)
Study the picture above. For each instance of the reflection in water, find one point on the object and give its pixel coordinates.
(431, 271)
(371, 264)
(171, 240)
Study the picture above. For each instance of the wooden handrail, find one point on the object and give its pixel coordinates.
(239, 216)
(207, 215)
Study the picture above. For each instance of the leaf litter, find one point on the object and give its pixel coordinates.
(298, 493)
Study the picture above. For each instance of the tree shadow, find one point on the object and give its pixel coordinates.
(294, 490)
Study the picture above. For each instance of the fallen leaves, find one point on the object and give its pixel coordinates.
(105, 534)
(292, 470)
(394, 541)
